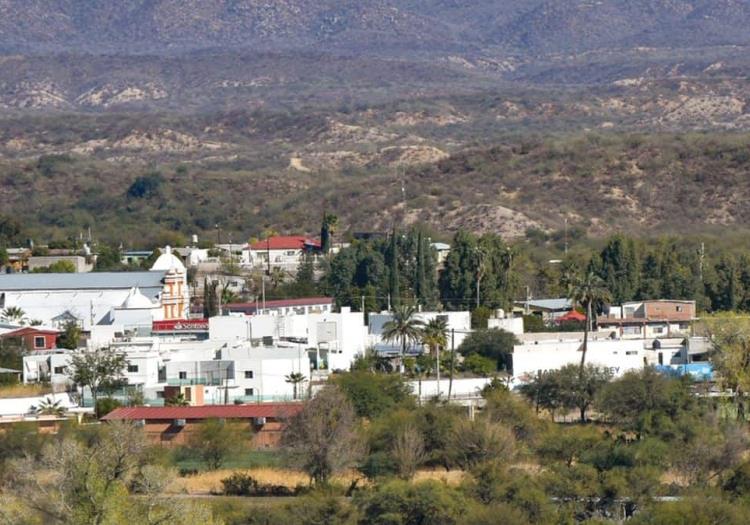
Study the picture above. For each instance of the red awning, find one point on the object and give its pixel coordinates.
(573, 315)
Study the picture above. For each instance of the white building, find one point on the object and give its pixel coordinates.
(540, 352)
(458, 323)
(92, 298)
(282, 252)
(224, 370)
(334, 340)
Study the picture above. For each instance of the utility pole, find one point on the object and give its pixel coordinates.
(263, 290)
(702, 257)
(437, 351)
(362, 300)
(453, 360)
(566, 236)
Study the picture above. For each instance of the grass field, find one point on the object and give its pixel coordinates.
(243, 461)
(21, 390)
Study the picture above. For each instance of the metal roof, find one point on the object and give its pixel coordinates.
(79, 281)
(548, 304)
(273, 410)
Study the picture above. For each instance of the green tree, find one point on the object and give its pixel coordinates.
(57, 267)
(216, 440)
(730, 338)
(479, 365)
(579, 390)
(108, 259)
(411, 504)
(70, 336)
(482, 440)
(645, 401)
(90, 481)
(494, 344)
(146, 186)
(403, 327)
(373, 394)
(210, 303)
(327, 230)
(101, 370)
(394, 288)
(619, 268)
(323, 438)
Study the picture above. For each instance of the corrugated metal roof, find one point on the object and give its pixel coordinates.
(274, 410)
(79, 281)
(280, 303)
(548, 304)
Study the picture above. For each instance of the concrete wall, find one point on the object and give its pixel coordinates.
(618, 355)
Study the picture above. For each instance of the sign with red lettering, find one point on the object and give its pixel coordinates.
(181, 325)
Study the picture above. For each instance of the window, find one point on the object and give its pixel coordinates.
(658, 329)
(631, 330)
(248, 374)
(160, 395)
(132, 369)
(684, 326)
(249, 392)
(679, 308)
(290, 253)
(39, 341)
(59, 370)
(631, 352)
(183, 375)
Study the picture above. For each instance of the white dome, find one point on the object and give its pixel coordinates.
(136, 300)
(167, 261)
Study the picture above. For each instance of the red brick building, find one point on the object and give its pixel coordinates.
(174, 425)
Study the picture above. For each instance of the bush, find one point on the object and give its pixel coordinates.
(106, 405)
(241, 484)
(479, 365)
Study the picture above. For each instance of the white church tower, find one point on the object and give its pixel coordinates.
(175, 298)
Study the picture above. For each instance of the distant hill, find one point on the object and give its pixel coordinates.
(384, 26)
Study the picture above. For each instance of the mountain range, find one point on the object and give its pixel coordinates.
(494, 115)
(519, 27)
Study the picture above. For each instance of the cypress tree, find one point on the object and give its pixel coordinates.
(394, 287)
(420, 281)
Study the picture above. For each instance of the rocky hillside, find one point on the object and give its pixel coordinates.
(520, 26)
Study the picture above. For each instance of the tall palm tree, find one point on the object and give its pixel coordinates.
(435, 336)
(587, 291)
(295, 378)
(403, 327)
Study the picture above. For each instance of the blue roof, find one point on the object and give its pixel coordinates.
(80, 281)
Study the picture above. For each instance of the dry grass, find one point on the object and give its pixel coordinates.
(450, 477)
(210, 482)
(21, 390)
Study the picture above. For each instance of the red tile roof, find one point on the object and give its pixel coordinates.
(288, 242)
(30, 330)
(272, 410)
